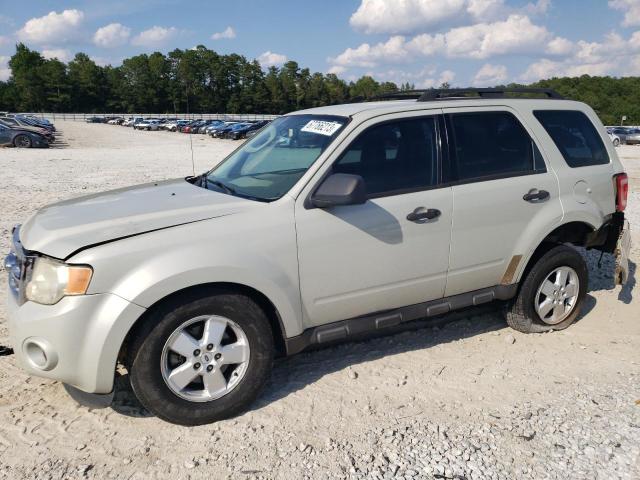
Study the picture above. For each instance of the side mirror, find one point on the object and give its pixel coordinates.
(340, 189)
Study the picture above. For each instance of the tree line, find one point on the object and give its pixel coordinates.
(200, 80)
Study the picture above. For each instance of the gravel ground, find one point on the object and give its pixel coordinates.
(464, 399)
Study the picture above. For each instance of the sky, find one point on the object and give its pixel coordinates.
(423, 42)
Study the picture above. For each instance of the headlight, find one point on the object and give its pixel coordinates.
(51, 280)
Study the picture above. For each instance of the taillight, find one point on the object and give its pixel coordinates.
(622, 191)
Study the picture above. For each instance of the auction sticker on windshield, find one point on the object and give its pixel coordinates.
(322, 128)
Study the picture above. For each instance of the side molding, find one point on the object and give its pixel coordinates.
(379, 321)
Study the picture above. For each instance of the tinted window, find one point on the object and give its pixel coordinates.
(394, 156)
(575, 136)
(491, 144)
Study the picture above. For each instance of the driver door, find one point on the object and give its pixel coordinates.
(360, 259)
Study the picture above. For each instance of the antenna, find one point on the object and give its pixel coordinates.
(193, 163)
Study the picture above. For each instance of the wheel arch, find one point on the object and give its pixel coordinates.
(195, 291)
(575, 232)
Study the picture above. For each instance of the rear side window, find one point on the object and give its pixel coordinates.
(394, 156)
(491, 145)
(575, 136)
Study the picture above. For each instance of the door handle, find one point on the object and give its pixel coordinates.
(423, 213)
(534, 195)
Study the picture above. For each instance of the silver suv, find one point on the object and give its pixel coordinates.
(328, 223)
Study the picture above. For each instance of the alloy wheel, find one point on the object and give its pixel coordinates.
(205, 358)
(557, 296)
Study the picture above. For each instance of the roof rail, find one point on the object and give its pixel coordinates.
(400, 95)
(470, 93)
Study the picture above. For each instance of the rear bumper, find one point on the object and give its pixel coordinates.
(621, 253)
(614, 237)
(75, 341)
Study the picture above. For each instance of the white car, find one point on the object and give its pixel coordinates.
(615, 139)
(328, 223)
(149, 124)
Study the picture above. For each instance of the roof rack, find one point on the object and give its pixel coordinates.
(401, 95)
(470, 93)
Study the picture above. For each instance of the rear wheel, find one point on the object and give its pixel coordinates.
(202, 359)
(22, 141)
(552, 294)
(616, 142)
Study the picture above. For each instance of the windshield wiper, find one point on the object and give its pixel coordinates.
(223, 186)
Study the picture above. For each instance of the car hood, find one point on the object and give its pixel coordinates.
(39, 131)
(62, 228)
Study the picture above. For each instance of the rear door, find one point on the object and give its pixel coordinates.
(504, 194)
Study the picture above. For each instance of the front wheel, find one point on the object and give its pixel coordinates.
(616, 142)
(552, 293)
(202, 359)
(22, 141)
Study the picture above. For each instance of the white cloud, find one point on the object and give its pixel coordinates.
(491, 75)
(515, 35)
(5, 71)
(631, 9)
(560, 46)
(392, 51)
(112, 35)
(403, 16)
(546, 68)
(61, 54)
(613, 56)
(413, 16)
(538, 8)
(52, 28)
(270, 59)
(427, 77)
(154, 37)
(4, 41)
(337, 70)
(228, 33)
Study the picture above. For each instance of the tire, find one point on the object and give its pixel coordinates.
(150, 358)
(616, 142)
(521, 313)
(22, 141)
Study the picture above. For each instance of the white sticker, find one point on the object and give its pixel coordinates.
(321, 128)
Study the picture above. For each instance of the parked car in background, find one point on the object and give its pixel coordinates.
(21, 138)
(212, 126)
(620, 132)
(241, 132)
(13, 123)
(192, 126)
(632, 136)
(94, 120)
(17, 120)
(615, 139)
(221, 130)
(147, 124)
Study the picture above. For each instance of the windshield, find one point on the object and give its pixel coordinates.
(271, 162)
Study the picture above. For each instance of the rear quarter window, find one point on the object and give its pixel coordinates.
(575, 136)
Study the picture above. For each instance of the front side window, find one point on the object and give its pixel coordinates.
(394, 156)
(491, 145)
(270, 163)
(575, 136)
